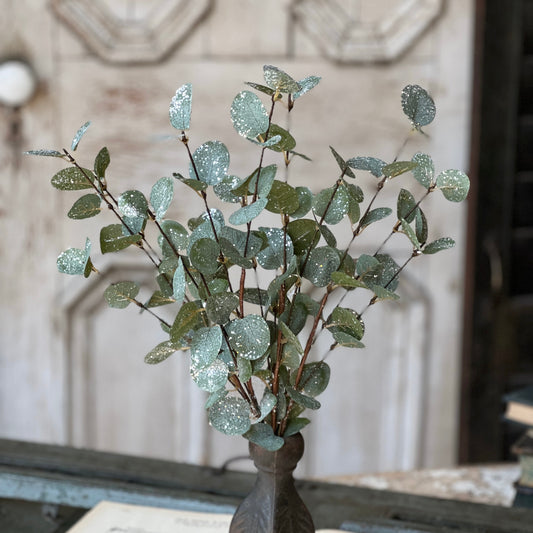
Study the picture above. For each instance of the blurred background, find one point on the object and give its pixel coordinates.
(426, 391)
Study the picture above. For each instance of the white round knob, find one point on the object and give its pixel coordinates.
(17, 83)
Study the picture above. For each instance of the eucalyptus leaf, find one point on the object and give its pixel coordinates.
(346, 281)
(303, 399)
(211, 378)
(224, 188)
(328, 235)
(101, 162)
(112, 239)
(263, 435)
(421, 227)
(406, 206)
(189, 318)
(248, 115)
(295, 425)
(211, 162)
(45, 153)
(134, 208)
(305, 202)
(220, 306)
(440, 244)
(424, 172)
(174, 236)
(411, 234)
(75, 261)
(248, 212)
(178, 283)
(375, 215)
(85, 207)
(382, 293)
(346, 321)
(279, 250)
(214, 397)
(366, 264)
(231, 253)
(205, 346)
(120, 295)
(249, 336)
(161, 196)
(269, 143)
(321, 263)
(371, 164)
(418, 105)
(230, 415)
(306, 85)
(192, 183)
(343, 165)
(315, 378)
(398, 167)
(160, 353)
(204, 255)
(263, 186)
(261, 88)
(282, 198)
(158, 299)
(180, 108)
(331, 204)
(79, 134)
(454, 185)
(286, 142)
(304, 234)
(73, 179)
(280, 81)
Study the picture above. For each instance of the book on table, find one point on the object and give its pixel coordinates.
(112, 517)
(520, 406)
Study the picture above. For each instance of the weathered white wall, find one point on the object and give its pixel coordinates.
(72, 371)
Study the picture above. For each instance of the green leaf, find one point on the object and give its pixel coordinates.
(161, 196)
(418, 105)
(421, 226)
(75, 262)
(189, 317)
(384, 275)
(343, 165)
(271, 141)
(101, 162)
(280, 81)
(304, 234)
(371, 164)
(73, 179)
(268, 402)
(382, 293)
(230, 416)
(454, 185)
(315, 378)
(263, 435)
(248, 115)
(282, 198)
(220, 306)
(290, 338)
(306, 85)
(440, 244)
(397, 168)
(214, 397)
(211, 378)
(176, 234)
(244, 369)
(375, 215)
(303, 399)
(328, 235)
(321, 263)
(178, 283)
(211, 162)
(366, 264)
(85, 207)
(248, 212)
(204, 256)
(295, 425)
(264, 186)
(331, 204)
(161, 352)
(180, 108)
(112, 239)
(279, 251)
(344, 339)
(249, 336)
(252, 244)
(205, 346)
(224, 189)
(411, 235)
(193, 183)
(425, 170)
(256, 296)
(79, 134)
(346, 321)
(406, 206)
(232, 254)
(158, 299)
(120, 295)
(260, 88)
(305, 202)
(286, 142)
(346, 281)
(134, 208)
(45, 153)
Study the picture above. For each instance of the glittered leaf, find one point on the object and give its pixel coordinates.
(158, 299)
(75, 261)
(295, 425)
(421, 226)
(204, 256)
(161, 352)
(371, 164)
(193, 183)
(211, 162)
(279, 250)
(411, 234)
(161, 196)
(248, 115)
(205, 346)
(346, 321)
(303, 399)
(331, 204)
(280, 81)
(211, 378)
(134, 208)
(454, 185)
(286, 142)
(261, 88)
(306, 85)
(79, 134)
(178, 283)
(425, 170)
(180, 107)
(315, 378)
(220, 306)
(120, 295)
(328, 235)
(366, 264)
(343, 165)
(189, 317)
(268, 402)
(305, 202)
(249, 336)
(397, 168)
(321, 263)
(375, 215)
(45, 153)
(282, 198)
(304, 234)
(418, 105)
(101, 162)
(248, 212)
(406, 206)
(85, 207)
(224, 189)
(230, 415)
(440, 244)
(346, 281)
(73, 179)
(112, 239)
(176, 234)
(263, 435)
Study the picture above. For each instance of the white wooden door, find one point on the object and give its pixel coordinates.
(71, 370)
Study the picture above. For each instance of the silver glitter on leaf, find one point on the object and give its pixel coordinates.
(85, 207)
(134, 208)
(112, 239)
(321, 263)
(223, 189)
(204, 256)
(120, 295)
(454, 185)
(411, 234)
(178, 283)
(315, 378)
(425, 170)
(176, 234)
(230, 416)
(280, 81)
(397, 168)
(371, 164)
(375, 215)
(73, 179)
(418, 105)
(249, 336)
(343, 165)
(211, 162)
(45, 153)
(211, 378)
(279, 250)
(248, 115)
(440, 244)
(406, 206)
(331, 204)
(282, 198)
(305, 201)
(248, 212)
(306, 85)
(205, 346)
(263, 435)
(180, 108)
(79, 134)
(161, 196)
(75, 261)
(160, 353)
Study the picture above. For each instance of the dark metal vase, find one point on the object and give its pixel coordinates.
(274, 505)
